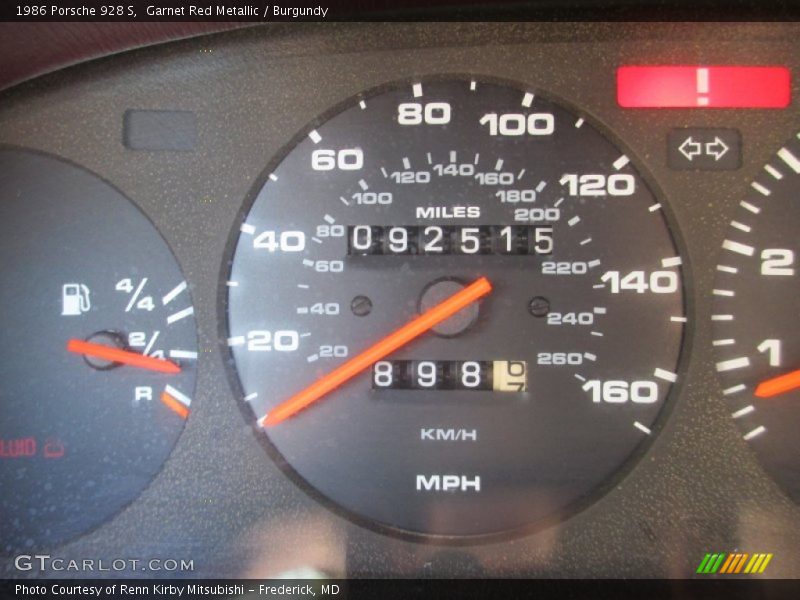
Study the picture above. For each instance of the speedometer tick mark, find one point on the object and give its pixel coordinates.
(743, 411)
(362, 104)
(315, 137)
(722, 317)
(236, 340)
(499, 164)
(250, 397)
(734, 390)
(665, 375)
(773, 171)
(344, 200)
(527, 100)
(727, 269)
(594, 263)
(621, 162)
(654, 207)
(417, 90)
(724, 342)
(586, 241)
(578, 123)
(329, 219)
(580, 377)
(673, 261)
(363, 185)
(599, 310)
(472, 85)
(574, 221)
(312, 358)
(541, 185)
(558, 202)
(641, 427)
(760, 188)
(597, 334)
(232, 283)
(790, 159)
(678, 319)
(751, 207)
(248, 229)
(740, 226)
(406, 165)
(273, 177)
(757, 431)
(520, 174)
(729, 293)
(308, 263)
(590, 356)
(316, 239)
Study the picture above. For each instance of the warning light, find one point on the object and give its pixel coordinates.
(703, 87)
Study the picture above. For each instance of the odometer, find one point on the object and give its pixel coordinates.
(455, 308)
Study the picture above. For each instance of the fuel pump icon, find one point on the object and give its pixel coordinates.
(74, 299)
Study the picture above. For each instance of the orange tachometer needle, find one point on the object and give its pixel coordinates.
(397, 339)
(125, 357)
(778, 385)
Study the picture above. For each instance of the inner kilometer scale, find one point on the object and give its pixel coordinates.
(455, 309)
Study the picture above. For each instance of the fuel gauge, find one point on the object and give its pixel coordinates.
(97, 351)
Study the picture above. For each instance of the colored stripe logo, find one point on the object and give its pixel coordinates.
(733, 563)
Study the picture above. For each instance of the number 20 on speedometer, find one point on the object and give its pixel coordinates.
(455, 308)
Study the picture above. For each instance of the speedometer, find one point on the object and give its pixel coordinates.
(455, 308)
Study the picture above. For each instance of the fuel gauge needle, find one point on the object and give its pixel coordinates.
(125, 357)
(778, 385)
(395, 340)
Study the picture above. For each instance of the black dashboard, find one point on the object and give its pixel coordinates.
(539, 281)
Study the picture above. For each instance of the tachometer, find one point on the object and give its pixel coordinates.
(455, 308)
(756, 307)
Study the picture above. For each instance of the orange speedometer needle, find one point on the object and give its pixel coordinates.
(778, 385)
(397, 339)
(125, 357)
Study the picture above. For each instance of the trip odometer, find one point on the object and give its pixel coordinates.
(455, 308)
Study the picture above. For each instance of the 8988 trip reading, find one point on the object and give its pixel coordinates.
(365, 240)
(477, 375)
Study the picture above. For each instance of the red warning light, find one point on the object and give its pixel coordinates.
(703, 87)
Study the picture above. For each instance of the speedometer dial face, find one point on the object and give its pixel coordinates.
(97, 362)
(455, 308)
(757, 303)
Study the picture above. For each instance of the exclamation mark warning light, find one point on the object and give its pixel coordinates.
(703, 87)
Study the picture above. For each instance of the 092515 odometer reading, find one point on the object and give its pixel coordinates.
(455, 308)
